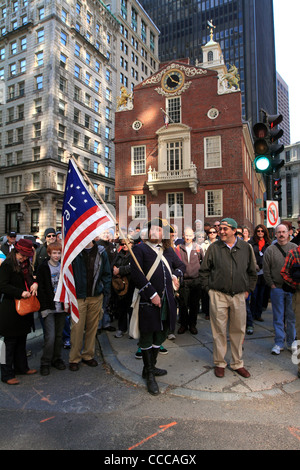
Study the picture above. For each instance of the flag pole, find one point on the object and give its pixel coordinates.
(106, 208)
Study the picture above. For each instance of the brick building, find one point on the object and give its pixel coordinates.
(182, 150)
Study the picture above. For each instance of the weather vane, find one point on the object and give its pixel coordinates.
(211, 28)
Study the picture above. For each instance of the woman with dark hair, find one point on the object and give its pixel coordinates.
(16, 282)
(260, 242)
(121, 268)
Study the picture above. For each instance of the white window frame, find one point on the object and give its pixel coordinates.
(178, 213)
(138, 160)
(172, 111)
(137, 205)
(175, 155)
(217, 211)
(217, 150)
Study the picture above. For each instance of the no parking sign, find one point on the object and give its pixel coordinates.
(272, 214)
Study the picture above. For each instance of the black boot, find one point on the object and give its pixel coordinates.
(157, 372)
(149, 371)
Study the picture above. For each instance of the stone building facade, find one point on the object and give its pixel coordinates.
(59, 79)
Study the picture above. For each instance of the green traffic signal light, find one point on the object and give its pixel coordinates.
(262, 164)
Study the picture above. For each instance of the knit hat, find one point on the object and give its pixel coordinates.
(229, 222)
(24, 247)
(48, 231)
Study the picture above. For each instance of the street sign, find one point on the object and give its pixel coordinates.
(272, 214)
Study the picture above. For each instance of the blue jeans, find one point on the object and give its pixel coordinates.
(53, 330)
(283, 314)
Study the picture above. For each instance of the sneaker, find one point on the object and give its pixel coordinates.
(293, 347)
(249, 330)
(119, 334)
(163, 350)
(138, 354)
(276, 350)
(171, 336)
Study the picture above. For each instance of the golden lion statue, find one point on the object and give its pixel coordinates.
(123, 99)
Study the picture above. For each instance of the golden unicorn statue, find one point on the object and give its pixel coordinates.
(232, 77)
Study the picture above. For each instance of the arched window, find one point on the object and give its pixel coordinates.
(210, 56)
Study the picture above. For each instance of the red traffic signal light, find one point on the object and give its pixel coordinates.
(274, 120)
(277, 190)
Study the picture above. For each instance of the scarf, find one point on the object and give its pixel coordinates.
(261, 244)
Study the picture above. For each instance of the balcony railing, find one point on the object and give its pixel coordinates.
(169, 179)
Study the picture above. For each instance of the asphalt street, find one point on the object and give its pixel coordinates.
(107, 408)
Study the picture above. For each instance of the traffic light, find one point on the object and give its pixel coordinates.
(262, 160)
(266, 147)
(274, 135)
(277, 190)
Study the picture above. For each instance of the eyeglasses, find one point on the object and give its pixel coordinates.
(260, 230)
(214, 231)
(217, 225)
(51, 236)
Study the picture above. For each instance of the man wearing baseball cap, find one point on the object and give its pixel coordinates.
(228, 274)
(10, 242)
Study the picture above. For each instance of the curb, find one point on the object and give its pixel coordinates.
(110, 358)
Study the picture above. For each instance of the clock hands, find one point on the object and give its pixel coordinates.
(175, 81)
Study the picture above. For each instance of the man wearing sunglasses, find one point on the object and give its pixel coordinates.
(41, 253)
(228, 274)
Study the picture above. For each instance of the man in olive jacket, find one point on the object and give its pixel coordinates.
(228, 274)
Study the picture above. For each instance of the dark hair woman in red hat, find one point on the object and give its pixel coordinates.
(16, 282)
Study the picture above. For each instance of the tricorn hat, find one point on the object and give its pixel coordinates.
(160, 223)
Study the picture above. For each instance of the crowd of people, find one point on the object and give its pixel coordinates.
(149, 273)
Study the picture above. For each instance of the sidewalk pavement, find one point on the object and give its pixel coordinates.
(190, 367)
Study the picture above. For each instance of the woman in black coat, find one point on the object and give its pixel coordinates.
(259, 242)
(122, 268)
(16, 282)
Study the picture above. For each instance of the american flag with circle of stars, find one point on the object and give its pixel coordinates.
(82, 219)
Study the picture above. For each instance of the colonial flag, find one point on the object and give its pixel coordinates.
(166, 120)
(83, 219)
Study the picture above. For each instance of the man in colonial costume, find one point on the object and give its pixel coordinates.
(157, 308)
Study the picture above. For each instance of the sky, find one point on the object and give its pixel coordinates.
(286, 19)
